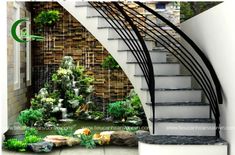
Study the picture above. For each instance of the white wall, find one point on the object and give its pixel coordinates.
(3, 68)
(214, 32)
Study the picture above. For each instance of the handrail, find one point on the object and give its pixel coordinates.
(151, 84)
(136, 44)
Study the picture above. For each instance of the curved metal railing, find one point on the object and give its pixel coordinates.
(122, 17)
(129, 33)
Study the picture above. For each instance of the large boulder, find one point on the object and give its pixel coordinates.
(59, 140)
(123, 138)
(41, 147)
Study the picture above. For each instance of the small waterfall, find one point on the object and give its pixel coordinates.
(76, 90)
(64, 113)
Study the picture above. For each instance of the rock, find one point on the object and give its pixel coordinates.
(108, 119)
(134, 121)
(49, 124)
(123, 138)
(41, 147)
(59, 140)
(141, 133)
(107, 133)
(67, 62)
(66, 120)
(103, 137)
(14, 133)
(43, 92)
(84, 131)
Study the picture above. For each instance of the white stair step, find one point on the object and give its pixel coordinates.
(103, 22)
(185, 127)
(91, 12)
(161, 69)
(182, 145)
(176, 95)
(82, 4)
(155, 56)
(170, 81)
(123, 46)
(182, 110)
(114, 34)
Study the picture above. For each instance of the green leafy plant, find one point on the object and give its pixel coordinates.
(30, 131)
(110, 63)
(131, 106)
(30, 116)
(87, 141)
(21, 145)
(64, 131)
(117, 109)
(97, 115)
(47, 18)
(32, 139)
(134, 100)
(15, 144)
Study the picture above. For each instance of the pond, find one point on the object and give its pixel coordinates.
(94, 126)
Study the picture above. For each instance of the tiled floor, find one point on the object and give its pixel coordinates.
(108, 150)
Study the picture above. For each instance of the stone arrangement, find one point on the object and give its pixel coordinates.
(114, 138)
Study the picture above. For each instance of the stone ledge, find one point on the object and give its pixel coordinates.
(181, 140)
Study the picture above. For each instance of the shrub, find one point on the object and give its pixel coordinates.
(134, 100)
(21, 145)
(29, 117)
(117, 109)
(110, 63)
(47, 18)
(32, 139)
(30, 131)
(127, 108)
(64, 131)
(14, 144)
(87, 141)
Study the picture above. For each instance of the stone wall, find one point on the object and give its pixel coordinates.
(17, 98)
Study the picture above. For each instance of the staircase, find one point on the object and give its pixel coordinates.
(181, 114)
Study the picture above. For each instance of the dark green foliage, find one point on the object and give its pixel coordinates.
(87, 141)
(97, 115)
(134, 101)
(64, 131)
(110, 63)
(127, 108)
(117, 109)
(47, 18)
(30, 116)
(190, 9)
